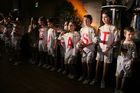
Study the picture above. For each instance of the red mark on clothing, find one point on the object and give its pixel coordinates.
(70, 43)
(62, 42)
(105, 34)
(41, 34)
(85, 37)
(49, 38)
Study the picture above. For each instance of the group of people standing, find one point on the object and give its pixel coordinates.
(45, 39)
(90, 44)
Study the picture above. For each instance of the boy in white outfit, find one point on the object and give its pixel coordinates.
(88, 35)
(52, 44)
(42, 41)
(71, 38)
(125, 59)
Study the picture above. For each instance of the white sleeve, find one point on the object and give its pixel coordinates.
(93, 33)
(76, 39)
(116, 37)
(55, 37)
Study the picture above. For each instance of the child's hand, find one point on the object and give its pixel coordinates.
(54, 47)
(107, 49)
(62, 33)
(132, 60)
(81, 50)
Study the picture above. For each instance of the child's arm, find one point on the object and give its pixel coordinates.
(56, 39)
(115, 40)
(111, 46)
(55, 44)
(133, 53)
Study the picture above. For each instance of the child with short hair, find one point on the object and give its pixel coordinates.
(42, 41)
(33, 39)
(52, 44)
(88, 34)
(125, 59)
(16, 36)
(108, 37)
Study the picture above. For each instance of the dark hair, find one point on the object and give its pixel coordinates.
(73, 22)
(108, 13)
(42, 18)
(35, 19)
(128, 29)
(51, 20)
(88, 16)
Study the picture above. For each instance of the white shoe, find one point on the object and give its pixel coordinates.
(121, 91)
(59, 70)
(86, 81)
(64, 72)
(70, 76)
(10, 59)
(102, 84)
(117, 91)
(48, 67)
(39, 64)
(93, 82)
(80, 78)
(16, 63)
(44, 66)
(52, 69)
(33, 62)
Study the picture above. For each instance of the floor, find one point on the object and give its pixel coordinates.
(27, 78)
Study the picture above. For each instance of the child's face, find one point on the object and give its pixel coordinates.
(105, 19)
(71, 26)
(86, 21)
(50, 24)
(66, 23)
(39, 22)
(129, 35)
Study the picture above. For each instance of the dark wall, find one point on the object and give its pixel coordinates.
(5, 6)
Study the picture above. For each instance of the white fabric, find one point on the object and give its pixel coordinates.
(42, 39)
(107, 35)
(124, 64)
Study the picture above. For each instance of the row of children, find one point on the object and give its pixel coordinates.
(11, 33)
(85, 41)
(43, 38)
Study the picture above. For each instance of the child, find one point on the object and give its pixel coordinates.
(125, 59)
(66, 25)
(87, 38)
(62, 48)
(71, 38)
(33, 39)
(52, 44)
(42, 41)
(62, 53)
(108, 37)
(16, 36)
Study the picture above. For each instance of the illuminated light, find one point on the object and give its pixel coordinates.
(79, 7)
(81, 11)
(36, 4)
